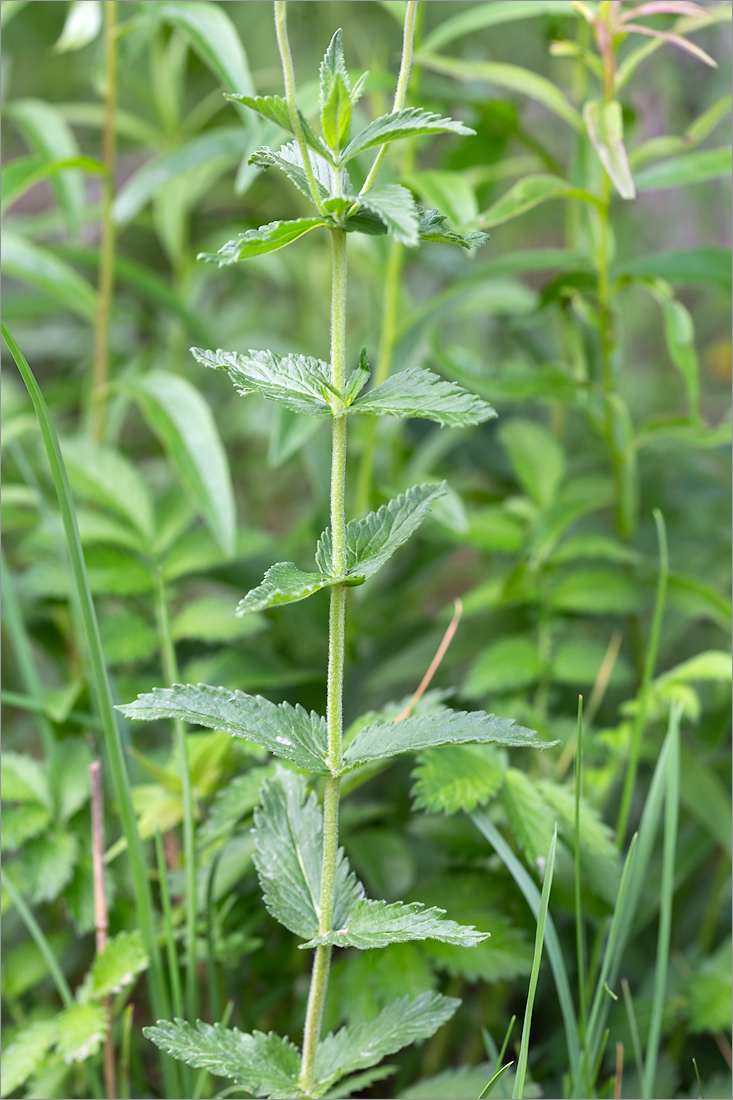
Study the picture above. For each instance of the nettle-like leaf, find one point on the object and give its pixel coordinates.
(288, 160)
(80, 1029)
(266, 1065)
(362, 1045)
(268, 238)
(457, 777)
(431, 227)
(395, 208)
(287, 731)
(298, 382)
(417, 392)
(232, 803)
(408, 123)
(25, 1054)
(122, 959)
(383, 739)
(284, 583)
(289, 858)
(274, 108)
(335, 95)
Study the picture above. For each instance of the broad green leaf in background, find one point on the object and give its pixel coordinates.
(180, 417)
(408, 123)
(456, 777)
(83, 24)
(287, 731)
(537, 458)
(80, 1029)
(26, 1053)
(265, 1065)
(213, 37)
(48, 133)
(297, 382)
(105, 477)
(595, 592)
(604, 123)
(709, 992)
(25, 172)
(416, 392)
(528, 193)
(450, 192)
(506, 665)
(708, 264)
(30, 263)
(686, 170)
(268, 238)
(479, 16)
(118, 964)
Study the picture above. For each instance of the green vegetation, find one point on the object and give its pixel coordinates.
(577, 547)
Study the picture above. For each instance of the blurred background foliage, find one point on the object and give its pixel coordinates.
(185, 495)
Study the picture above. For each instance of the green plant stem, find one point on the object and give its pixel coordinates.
(281, 28)
(100, 368)
(650, 660)
(335, 688)
(579, 930)
(171, 674)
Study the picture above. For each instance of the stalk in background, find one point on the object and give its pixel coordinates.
(101, 921)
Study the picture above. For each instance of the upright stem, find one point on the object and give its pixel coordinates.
(100, 369)
(101, 922)
(281, 28)
(335, 691)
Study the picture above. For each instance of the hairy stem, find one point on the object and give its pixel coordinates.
(281, 28)
(100, 367)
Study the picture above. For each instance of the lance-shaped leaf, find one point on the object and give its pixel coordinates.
(416, 392)
(395, 207)
(530, 192)
(288, 160)
(289, 732)
(604, 123)
(298, 382)
(268, 238)
(371, 541)
(430, 730)
(409, 123)
(289, 857)
(275, 109)
(335, 95)
(403, 1022)
(377, 924)
(284, 583)
(266, 1065)
(431, 227)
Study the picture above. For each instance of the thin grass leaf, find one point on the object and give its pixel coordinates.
(83, 24)
(48, 133)
(25, 172)
(494, 1079)
(214, 38)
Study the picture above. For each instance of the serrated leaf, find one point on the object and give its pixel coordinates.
(268, 238)
(298, 382)
(69, 776)
(604, 123)
(372, 924)
(25, 1054)
(456, 777)
(80, 1029)
(104, 476)
(287, 731)
(408, 123)
(289, 857)
(384, 739)
(122, 959)
(530, 817)
(288, 160)
(234, 802)
(21, 823)
(23, 779)
(275, 109)
(371, 541)
(284, 583)
(48, 863)
(599, 855)
(335, 95)
(431, 227)
(395, 207)
(266, 1065)
(362, 1045)
(417, 392)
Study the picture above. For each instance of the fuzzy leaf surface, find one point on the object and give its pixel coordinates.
(25, 1054)
(417, 392)
(335, 95)
(431, 227)
(371, 541)
(408, 123)
(289, 856)
(266, 1065)
(383, 739)
(362, 1045)
(377, 924)
(268, 238)
(456, 777)
(122, 959)
(80, 1029)
(287, 159)
(274, 108)
(298, 382)
(283, 583)
(394, 206)
(287, 731)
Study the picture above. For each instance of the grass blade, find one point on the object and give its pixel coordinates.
(579, 931)
(496, 1077)
(633, 1028)
(534, 975)
(36, 932)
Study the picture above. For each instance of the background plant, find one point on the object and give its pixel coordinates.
(527, 303)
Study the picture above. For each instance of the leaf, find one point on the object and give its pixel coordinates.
(372, 924)
(68, 772)
(537, 458)
(595, 592)
(456, 777)
(685, 170)
(599, 856)
(335, 95)
(232, 803)
(21, 823)
(384, 739)
(709, 993)
(298, 382)
(275, 109)
(684, 266)
(284, 583)
(265, 1065)
(30, 263)
(431, 228)
(604, 123)
(118, 964)
(127, 638)
(370, 542)
(289, 857)
(289, 732)
(416, 392)
(514, 77)
(453, 1084)
(361, 1045)
(394, 206)
(508, 664)
(531, 819)
(47, 132)
(528, 193)
(80, 1029)
(26, 1053)
(182, 420)
(491, 14)
(268, 238)
(408, 123)
(214, 38)
(25, 172)
(107, 478)
(48, 863)
(450, 191)
(23, 779)
(83, 24)
(289, 161)
(578, 661)
(212, 619)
